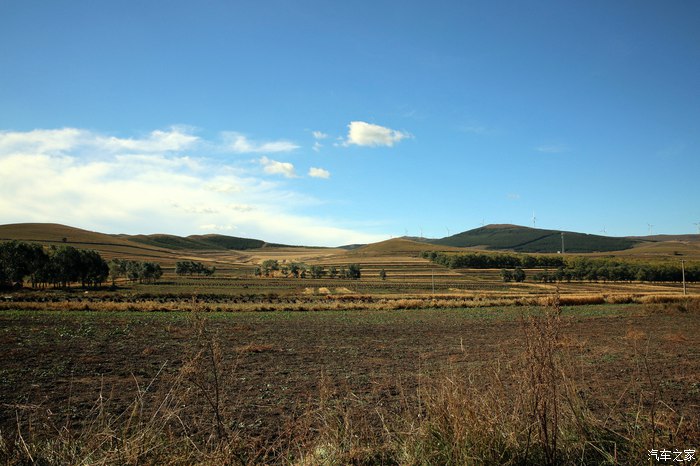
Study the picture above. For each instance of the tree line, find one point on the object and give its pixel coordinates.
(193, 268)
(609, 269)
(477, 260)
(143, 272)
(61, 266)
(568, 268)
(301, 270)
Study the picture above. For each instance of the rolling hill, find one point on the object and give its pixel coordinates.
(122, 244)
(490, 237)
(197, 242)
(396, 246)
(534, 240)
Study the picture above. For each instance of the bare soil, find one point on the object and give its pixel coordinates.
(55, 366)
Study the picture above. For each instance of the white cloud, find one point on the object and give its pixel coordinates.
(236, 142)
(319, 173)
(57, 141)
(319, 135)
(240, 207)
(175, 140)
(273, 167)
(40, 141)
(72, 176)
(361, 133)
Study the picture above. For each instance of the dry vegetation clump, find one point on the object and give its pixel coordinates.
(622, 298)
(523, 412)
(319, 299)
(585, 299)
(671, 306)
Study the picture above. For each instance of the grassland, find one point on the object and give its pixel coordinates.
(429, 366)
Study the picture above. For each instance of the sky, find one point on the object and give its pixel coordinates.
(331, 123)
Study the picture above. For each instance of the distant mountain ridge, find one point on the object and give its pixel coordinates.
(534, 240)
(52, 233)
(489, 237)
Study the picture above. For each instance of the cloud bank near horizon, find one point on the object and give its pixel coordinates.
(166, 181)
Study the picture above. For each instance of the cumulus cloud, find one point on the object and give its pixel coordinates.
(239, 143)
(273, 167)
(361, 133)
(319, 135)
(319, 173)
(78, 177)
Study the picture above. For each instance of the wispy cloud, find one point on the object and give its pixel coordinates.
(361, 133)
(125, 185)
(319, 173)
(53, 141)
(318, 136)
(239, 143)
(552, 148)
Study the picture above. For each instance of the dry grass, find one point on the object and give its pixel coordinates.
(344, 299)
(527, 410)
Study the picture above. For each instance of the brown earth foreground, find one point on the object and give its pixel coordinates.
(340, 387)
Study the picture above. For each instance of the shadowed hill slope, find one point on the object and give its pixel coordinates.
(397, 246)
(524, 239)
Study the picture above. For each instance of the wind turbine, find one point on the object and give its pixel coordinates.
(697, 224)
(604, 231)
(534, 220)
(448, 231)
(651, 229)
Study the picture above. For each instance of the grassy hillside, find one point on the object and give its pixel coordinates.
(200, 242)
(55, 233)
(228, 242)
(107, 245)
(395, 246)
(524, 239)
(176, 243)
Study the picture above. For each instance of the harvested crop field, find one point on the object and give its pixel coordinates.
(350, 386)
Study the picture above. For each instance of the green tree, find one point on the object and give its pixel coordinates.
(117, 269)
(506, 275)
(269, 266)
(519, 275)
(382, 274)
(354, 272)
(317, 271)
(64, 265)
(93, 270)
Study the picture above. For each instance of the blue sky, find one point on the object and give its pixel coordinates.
(316, 122)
